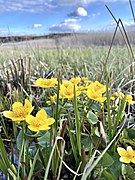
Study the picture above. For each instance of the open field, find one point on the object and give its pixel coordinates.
(67, 110)
(67, 40)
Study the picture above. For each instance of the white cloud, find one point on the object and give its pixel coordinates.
(85, 2)
(35, 6)
(75, 2)
(79, 12)
(37, 25)
(69, 25)
(32, 6)
(129, 24)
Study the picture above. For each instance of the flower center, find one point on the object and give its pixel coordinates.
(36, 122)
(20, 112)
(47, 82)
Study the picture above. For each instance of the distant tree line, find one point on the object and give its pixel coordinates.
(5, 39)
(86, 39)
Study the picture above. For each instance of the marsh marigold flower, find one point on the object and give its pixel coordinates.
(75, 80)
(127, 156)
(40, 122)
(66, 83)
(97, 87)
(95, 95)
(19, 112)
(84, 79)
(128, 98)
(95, 91)
(52, 99)
(46, 83)
(68, 92)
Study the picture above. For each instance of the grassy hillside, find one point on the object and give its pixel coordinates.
(65, 40)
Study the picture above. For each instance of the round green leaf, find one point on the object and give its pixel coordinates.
(92, 118)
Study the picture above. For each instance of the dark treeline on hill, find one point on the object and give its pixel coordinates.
(102, 38)
(5, 39)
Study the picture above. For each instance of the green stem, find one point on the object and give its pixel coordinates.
(21, 152)
(108, 108)
(78, 131)
(57, 106)
(119, 118)
(55, 156)
(40, 152)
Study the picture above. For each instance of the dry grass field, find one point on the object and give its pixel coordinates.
(73, 40)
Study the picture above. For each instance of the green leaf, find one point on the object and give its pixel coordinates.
(107, 160)
(85, 140)
(131, 133)
(108, 175)
(130, 172)
(19, 140)
(44, 140)
(96, 107)
(33, 165)
(48, 111)
(92, 118)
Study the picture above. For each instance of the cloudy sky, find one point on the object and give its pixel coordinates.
(47, 16)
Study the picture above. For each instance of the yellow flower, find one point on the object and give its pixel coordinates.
(97, 96)
(119, 95)
(97, 87)
(112, 98)
(127, 156)
(66, 83)
(68, 92)
(40, 122)
(95, 91)
(52, 99)
(84, 79)
(46, 83)
(75, 80)
(19, 112)
(129, 99)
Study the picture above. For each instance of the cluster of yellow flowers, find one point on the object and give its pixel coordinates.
(93, 90)
(20, 113)
(120, 96)
(68, 88)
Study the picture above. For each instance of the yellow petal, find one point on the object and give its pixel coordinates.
(49, 121)
(8, 114)
(125, 159)
(133, 160)
(38, 81)
(102, 99)
(30, 119)
(130, 151)
(27, 104)
(33, 128)
(12, 116)
(41, 115)
(44, 127)
(16, 105)
(122, 151)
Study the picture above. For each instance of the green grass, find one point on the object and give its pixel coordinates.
(84, 139)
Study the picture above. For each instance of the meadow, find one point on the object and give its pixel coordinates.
(67, 112)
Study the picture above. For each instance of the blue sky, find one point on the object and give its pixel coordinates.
(20, 17)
